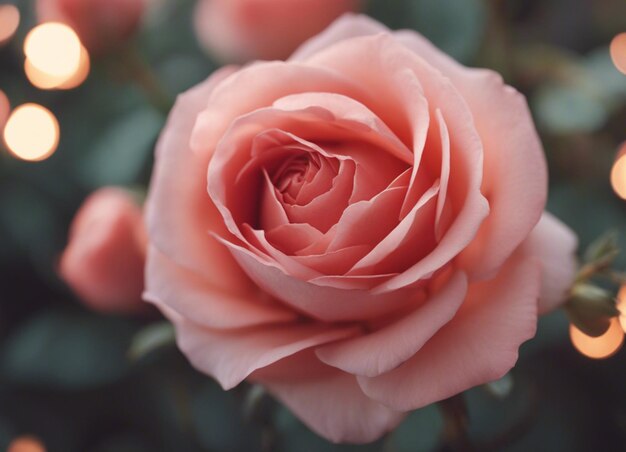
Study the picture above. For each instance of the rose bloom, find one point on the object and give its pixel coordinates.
(104, 259)
(102, 25)
(243, 30)
(358, 229)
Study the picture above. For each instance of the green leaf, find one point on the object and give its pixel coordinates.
(434, 19)
(219, 424)
(67, 350)
(122, 153)
(420, 431)
(151, 338)
(569, 108)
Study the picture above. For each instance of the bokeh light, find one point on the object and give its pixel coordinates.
(53, 49)
(9, 21)
(44, 80)
(599, 347)
(618, 173)
(5, 108)
(618, 52)
(31, 132)
(26, 444)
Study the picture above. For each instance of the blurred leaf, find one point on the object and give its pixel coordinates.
(120, 155)
(610, 82)
(603, 246)
(67, 350)
(455, 26)
(435, 19)
(32, 224)
(564, 108)
(420, 431)
(218, 421)
(152, 338)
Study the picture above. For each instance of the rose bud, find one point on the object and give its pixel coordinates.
(243, 30)
(102, 25)
(359, 229)
(104, 259)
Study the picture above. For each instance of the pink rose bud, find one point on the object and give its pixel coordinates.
(101, 24)
(104, 260)
(243, 30)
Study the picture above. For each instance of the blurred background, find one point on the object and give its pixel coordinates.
(72, 379)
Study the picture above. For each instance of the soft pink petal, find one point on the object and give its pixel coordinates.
(323, 303)
(554, 244)
(383, 350)
(479, 345)
(105, 257)
(191, 296)
(515, 176)
(258, 86)
(231, 356)
(329, 401)
(384, 57)
(346, 27)
(179, 213)
(410, 236)
(293, 237)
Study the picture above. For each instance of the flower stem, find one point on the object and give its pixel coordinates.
(143, 75)
(456, 421)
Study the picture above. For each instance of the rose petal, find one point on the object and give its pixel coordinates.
(231, 356)
(323, 303)
(329, 401)
(515, 176)
(379, 352)
(190, 295)
(182, 233)
(554, 244)
(479, 345)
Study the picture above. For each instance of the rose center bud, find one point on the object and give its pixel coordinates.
(299, 172)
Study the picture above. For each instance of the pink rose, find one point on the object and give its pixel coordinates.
(104, 260)
(102, 25)
(371, 240)
(243, 30)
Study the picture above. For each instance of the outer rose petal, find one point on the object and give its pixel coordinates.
(179, 212)
(554, 244)
(328, 400)
(104, 259)
(385, 349)
(324, 303)
(231, 356)
(242, 30)
(479, 345)
(193, 297)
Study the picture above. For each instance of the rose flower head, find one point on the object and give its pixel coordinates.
(243, 30)
(102, 25)
(105, 257)
(359, 229)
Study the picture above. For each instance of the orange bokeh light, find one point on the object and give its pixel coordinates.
(9, 21)
(618, 52)
(31, 133)
(618, 173)
(43, 80)
(54, 49)
(26, 444)
(600, 347)
(5, 109)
